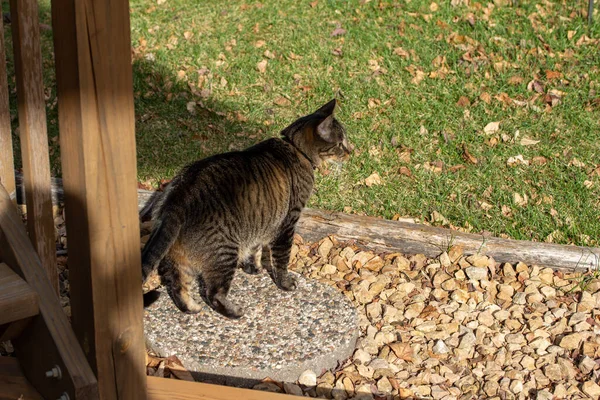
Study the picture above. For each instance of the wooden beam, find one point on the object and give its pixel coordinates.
(48, 340)
(173, 389)
(7, 175)
(17, 300)
(32, 128)
(13, 383)
(97, 138)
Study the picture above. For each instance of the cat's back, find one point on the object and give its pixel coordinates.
(265, 175)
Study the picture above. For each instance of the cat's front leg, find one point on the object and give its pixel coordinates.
(280, 256)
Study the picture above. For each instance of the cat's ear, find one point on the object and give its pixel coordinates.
(325, 129)
(328, 108)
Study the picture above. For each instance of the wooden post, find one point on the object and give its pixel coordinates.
(34, 138)
(7, 168)
(97, 138)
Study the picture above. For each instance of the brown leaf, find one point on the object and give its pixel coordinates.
(551, 75)
(313, 4)
(405, 171)
(259, 44)
(403, 351)
(535, 86)
(539, 160)
(485, 97)
(262, 66)
(435, 166)
(373, 179)
(491, 128)
(338, 32)
(399, 51)
(269, 54)
(188, 35)
(456, 168)
(515, 80)
(282, 101)
(468, 157)
(463, 101)
(433, 7)
(528, 142)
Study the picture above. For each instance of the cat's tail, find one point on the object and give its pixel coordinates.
(164, 234)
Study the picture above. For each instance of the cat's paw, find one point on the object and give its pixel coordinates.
(250, 268)
(287, 282)
(226, 308)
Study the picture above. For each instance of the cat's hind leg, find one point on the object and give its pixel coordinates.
(217, 276)
(178, 279)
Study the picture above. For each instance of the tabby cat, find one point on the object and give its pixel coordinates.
(239, 210)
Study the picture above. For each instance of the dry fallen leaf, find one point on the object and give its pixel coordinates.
(516, 160)
(187, 35)
(402, 350)
(262, 66)
(535, 86)
(338, 32)
(404, 171)
(463, 101)
(373, 179)
(550, 75)
(282, 101)
(539, 160)
(468, 156)
(259, 44)
(528, 142)
(399, 51)
(191, 107)
(433, 7)
(491, 128)
(485, 97)
(269, 54)
(520, 200)
(419, 76)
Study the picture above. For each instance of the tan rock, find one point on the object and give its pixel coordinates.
(478, 260)
(384, 385)
(455, 253)
(413, 310)
(445, 260)
(460, 296)
(477, 273)
(450, 284)
(571, 342)
(328, 269)
(553, 372)
(592, 389)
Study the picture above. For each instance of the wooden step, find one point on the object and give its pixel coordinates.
(17, 300)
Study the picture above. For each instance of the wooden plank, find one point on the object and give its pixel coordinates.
(13, 383)
(173, 389)
(50, 330)
(32, 128)
(17, 300)
(96, 120)
(7, 175)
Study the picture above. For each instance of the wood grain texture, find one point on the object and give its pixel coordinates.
(17, 300)
(32, 128)
(96, 121)
(13, 383)
(50, 329)
(7, 175)
(173, 389)
(392, 236)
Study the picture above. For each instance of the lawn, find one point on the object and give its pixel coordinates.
(475, 116)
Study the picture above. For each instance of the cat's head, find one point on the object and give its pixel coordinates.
(321, 136)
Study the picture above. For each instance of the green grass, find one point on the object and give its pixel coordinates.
(385, 110)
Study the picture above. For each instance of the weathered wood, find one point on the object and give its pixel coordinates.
(411, 238)
(49, 339)
(7, 176)
(32, 128)
(96, 120)
(13, 383)
(385, 235)
(17, 300)
(172, 389)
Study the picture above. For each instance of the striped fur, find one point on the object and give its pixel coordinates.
(239, 210)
